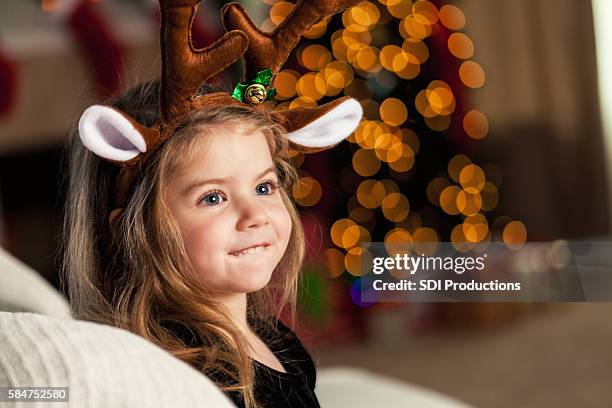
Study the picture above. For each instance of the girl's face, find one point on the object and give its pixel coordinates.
(233, 221)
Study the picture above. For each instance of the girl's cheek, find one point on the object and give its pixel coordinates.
(284, 220)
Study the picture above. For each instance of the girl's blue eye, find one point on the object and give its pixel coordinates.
(212, 199)
(266, 188)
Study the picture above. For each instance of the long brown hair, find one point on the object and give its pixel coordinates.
(136, 274)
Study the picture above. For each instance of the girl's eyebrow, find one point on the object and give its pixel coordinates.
(199, 183)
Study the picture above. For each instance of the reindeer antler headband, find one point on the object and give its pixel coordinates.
(115, 136)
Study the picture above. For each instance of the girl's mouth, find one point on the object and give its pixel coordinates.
(252, 250)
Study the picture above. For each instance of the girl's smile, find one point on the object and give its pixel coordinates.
(256, 248)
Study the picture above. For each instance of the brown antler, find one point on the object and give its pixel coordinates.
(184, 68)
(271, 50)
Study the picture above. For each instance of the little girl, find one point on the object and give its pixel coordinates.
(178, 225)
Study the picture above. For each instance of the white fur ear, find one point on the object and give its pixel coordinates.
(331, 128)
(109, 134)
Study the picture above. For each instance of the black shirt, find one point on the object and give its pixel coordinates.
(295, 388)
(292, 389)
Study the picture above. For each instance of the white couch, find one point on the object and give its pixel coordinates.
(40, 345)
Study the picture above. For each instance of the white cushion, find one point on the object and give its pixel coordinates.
(104, 366)
(341, 387)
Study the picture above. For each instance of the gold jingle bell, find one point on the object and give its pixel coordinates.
(255, 94)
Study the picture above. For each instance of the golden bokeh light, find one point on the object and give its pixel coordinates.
(422, 105)
(440, 98)
(456, 164)
(415, 26)
(311, 86)
(337, 76)
(468, 203)
(460, 45)
(395, 207)
(459, 241)
(367, 133)
(417, 51)
(365, 162)
(355, 235)
(385, 146)
(279, 11)
(366, 14)
(307, 191)
(399, 8)
(314, 57)
(471, 74)
(392, 152)
(339, 49)
(387, 56)
(350, 37)
(425, 241)
(358, 261)
(393, 112)
(351, 18)
(515, 235)
(361, 17)
(370, 193)
(472, 178)
(452, 17)
(436, 100)
(397, 240)
(352, 51)
(410, 71)
(427, 10)
(475, 228)
(285, 84)
(317, 29)
(334, 262)
(405, 160)
(390, 186)
(403, 62)
(342, 40)
(338, 229)
(366, 58)
(476, 124)
(448, 200)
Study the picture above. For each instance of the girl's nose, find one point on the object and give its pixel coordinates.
(252, 215)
